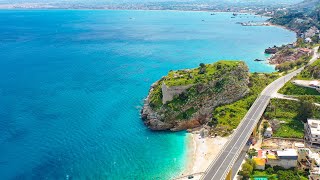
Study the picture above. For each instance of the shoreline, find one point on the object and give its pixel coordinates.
(200, 154)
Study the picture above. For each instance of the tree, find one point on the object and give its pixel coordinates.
(287, 175)
(252, 152)
(270, 170)
(202, 68)
(202, 65)
(306, 109)
(247, 169)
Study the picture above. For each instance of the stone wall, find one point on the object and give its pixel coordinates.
(168, 93)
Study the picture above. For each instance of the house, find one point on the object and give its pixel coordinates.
(305, 51)
(286, 158)
(268, 132)
(312, 132)
(260, 163)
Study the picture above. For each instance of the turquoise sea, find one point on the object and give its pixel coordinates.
(72, 83)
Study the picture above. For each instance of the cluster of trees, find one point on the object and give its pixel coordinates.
(306, 109)
(284, 174)
(247, 169)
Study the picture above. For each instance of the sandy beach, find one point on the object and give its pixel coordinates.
(201, 152)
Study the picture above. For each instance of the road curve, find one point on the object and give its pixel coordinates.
(227, 156)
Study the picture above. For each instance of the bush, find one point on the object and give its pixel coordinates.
(270, 170)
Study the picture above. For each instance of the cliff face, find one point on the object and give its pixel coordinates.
(186, 99)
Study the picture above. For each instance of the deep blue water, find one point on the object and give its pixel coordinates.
(72, 83)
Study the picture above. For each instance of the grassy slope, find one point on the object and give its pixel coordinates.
(291, 89)
(192, 76)
(228, 117)
(288, 111)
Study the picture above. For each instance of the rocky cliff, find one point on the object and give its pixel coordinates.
(186, 98)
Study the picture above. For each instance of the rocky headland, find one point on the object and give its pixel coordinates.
(186, 98)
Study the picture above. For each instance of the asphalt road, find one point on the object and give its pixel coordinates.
(226, 158)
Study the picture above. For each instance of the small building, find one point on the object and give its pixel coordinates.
(305, 51)
(312, 132)
(286, 158)
(260, 163)
(268, 132)
(308, 40)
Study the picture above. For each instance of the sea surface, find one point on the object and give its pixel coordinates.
(72, 83)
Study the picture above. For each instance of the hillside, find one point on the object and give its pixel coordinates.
(186, 98)
(300, 17)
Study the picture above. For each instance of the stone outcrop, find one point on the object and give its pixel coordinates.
(289, 55)
(168, 93)
(190, 106)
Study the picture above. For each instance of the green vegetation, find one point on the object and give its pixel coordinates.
(311, 71)
(247, 169)
(203, 74)
(291, 89)
(300, 19)
(252, 152)
(286, 66)
(208, 87)
(291, 115)
(156, 96)
(312, 99)
(227, 117)
(279, 173)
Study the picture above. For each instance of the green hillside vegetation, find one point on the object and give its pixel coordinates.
(292, 114)
(227, 117)
(290, 65)
(299, 19)
(311, 72)
(203, 74)
(291, 89)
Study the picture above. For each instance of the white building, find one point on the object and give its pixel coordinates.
(312, 132)
(268, 132)
(308, 40)
(287, 158)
